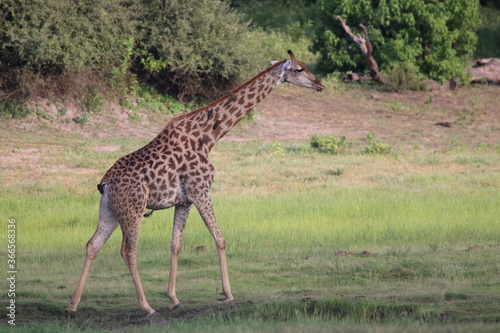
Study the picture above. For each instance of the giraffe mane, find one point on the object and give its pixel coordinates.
(232, 93)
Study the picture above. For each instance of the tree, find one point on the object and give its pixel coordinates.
(54, 36)
(196, 46)
(437, 36)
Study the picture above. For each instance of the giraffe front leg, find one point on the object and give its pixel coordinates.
(207, 213)
(180, 217)
(226, 288)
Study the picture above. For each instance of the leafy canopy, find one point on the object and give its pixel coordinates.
(437, 36)
(196, 46)
(58, 37)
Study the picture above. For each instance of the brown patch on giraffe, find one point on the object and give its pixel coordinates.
(204, 140)
(216, 124)
(229, 100)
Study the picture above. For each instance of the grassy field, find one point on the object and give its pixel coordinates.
(406, 241)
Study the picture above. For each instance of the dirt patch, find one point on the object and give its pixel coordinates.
(106, 148)
(404, 121)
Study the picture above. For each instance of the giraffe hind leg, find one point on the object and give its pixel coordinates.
(130, 240)
(108, 222)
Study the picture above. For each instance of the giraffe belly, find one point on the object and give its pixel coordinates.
(163, 200)
(163, 197)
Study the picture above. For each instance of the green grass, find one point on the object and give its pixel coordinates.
(429, 224)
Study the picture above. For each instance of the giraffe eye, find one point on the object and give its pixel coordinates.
(299, 70)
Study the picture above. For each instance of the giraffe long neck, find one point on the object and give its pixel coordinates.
(210, 123)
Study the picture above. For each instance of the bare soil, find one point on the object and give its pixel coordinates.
(466, 117)
(405, 121)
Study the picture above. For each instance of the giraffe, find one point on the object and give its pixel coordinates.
(173, 170)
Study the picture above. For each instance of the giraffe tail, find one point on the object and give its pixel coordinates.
(101, 187)
(148, 214)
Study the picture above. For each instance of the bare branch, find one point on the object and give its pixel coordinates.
(366, 49)
(357, 39)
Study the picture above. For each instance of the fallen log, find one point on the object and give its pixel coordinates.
(485, 70)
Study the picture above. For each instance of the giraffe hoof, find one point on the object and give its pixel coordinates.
(152, 314)
(225, 300)
(71, 313)
(176, 306)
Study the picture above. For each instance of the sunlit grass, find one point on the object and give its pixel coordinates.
(429, 224)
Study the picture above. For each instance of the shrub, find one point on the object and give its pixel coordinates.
(404, 77)
(196, 47)
(59, 48)
(62, 36)
(375, 147)
(436, 36)
(81, 120)
(329, 144)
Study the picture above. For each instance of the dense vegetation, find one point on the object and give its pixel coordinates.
(187, 48)
(96, 49)
(439, 37)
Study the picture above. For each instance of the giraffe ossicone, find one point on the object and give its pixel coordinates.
(173, 170)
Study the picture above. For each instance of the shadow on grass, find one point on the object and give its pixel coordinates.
(52, 317)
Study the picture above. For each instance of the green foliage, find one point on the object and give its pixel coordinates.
(405, 76)
(329, 144)
(15, 110)
(148, 98)
(437, 36)
(276, 149)
(93, 101)
(62, 36)
(53, 48)
(375, 147)
(43, 115)
(488, 44)
(81, 120)
(271, 15)
(197, 47)
(265, 46)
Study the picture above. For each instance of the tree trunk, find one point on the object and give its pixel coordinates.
(366, 49)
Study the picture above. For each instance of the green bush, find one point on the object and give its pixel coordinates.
(53, 48)
(277, 15)
(375, 147)
(196, 47)
(265, 46)
(329, 144)
(62, 36)
(437, 36)
(404, 77)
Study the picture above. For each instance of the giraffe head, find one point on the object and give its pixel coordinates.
(296, 72)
